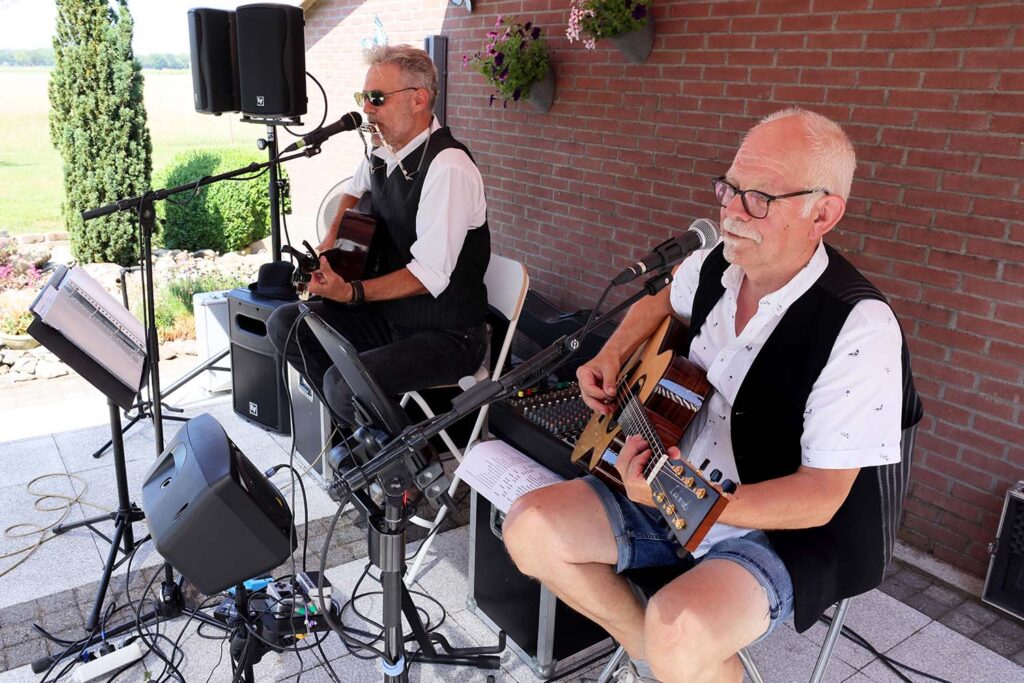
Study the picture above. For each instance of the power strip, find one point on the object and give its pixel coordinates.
(107, 664)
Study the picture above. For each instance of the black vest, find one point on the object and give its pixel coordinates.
(848, 555)
(395, 204)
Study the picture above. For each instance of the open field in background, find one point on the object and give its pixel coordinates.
(31, 178)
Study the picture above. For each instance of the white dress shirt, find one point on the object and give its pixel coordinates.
(852, 417)
(451, 204)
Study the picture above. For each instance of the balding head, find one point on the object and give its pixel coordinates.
(816, 149)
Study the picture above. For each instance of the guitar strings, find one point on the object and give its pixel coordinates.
(633, 417)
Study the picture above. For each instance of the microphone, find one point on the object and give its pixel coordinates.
(349, 121)
(702, 233)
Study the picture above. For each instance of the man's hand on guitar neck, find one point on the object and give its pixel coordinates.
(630, 463)
(329, 284)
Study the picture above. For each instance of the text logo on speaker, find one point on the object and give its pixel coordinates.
(254, 409)
(259, 100)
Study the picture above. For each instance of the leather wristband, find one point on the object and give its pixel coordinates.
(358, 294)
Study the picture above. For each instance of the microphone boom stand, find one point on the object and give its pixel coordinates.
(387, 525)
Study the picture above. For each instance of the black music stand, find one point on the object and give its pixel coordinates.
(118, 394)
(387, 525)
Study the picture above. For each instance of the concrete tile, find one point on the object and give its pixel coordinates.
(961, 623)
(945, 596)
(24, 460)
(914, 579)
(882, 620)
(942, 652)
(22, 674)
(789, 656)
(922, 602)
(1002, 636)
(980, 613)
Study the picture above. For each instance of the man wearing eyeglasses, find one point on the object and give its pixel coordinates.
(811, 389)
(418, 321)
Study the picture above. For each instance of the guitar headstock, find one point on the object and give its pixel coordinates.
(688, 501)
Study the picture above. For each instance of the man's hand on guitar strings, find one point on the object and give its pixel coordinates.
(329, 284)
(597, 379)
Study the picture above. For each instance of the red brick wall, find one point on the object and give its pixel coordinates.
(932, 93)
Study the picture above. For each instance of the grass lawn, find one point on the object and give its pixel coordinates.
(31, 180)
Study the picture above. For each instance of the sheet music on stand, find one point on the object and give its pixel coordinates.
(90, 330)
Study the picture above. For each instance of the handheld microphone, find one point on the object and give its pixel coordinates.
(702, 233)
(349, 121)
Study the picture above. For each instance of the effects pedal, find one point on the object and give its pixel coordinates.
(282, 599)
(308, 585)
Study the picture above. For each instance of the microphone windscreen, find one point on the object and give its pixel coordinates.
(708, 231)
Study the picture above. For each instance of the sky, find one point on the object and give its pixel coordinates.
(160, 25)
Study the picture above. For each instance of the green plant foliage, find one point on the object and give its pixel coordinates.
(225, 216)
(598, 19)
(514, 58)
(98, 124)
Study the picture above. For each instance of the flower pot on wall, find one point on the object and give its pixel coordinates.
(636, 45)
(542, 93)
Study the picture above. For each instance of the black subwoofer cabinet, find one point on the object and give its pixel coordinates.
(259, 391)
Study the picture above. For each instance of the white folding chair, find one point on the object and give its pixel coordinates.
(507, 282)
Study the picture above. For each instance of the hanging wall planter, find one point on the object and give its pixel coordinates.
(542, 93)
(515, 61)
(637, 45)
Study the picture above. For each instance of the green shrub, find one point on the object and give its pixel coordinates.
(173, 310)
(226, 216)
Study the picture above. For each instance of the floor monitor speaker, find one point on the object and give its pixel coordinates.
(212, 514)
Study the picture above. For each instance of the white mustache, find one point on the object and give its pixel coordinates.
(738, 227)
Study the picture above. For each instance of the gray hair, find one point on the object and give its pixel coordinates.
(412, 61)
(832, 159)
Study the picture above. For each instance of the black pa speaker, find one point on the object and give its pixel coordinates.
(1004, 585)
(211, 35)
(212, 514)
(258, 390)
(271, 60)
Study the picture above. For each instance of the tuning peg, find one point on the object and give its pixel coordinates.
(729, 486)
(716, 476)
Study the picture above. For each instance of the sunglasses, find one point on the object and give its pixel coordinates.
(376, 97)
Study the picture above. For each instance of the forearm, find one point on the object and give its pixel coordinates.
(638, 325)
(807, 498)
(397, 285)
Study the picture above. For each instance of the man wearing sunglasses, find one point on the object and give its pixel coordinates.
(812, 386)
(417, 318)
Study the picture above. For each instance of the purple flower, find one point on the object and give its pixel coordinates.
(499, 59)
(528, 25)
(639, 12)
(503, 75)
(536, 33)
(628, 3)
(465, 60)
(492, 34)
(498, 22)
(517, 94)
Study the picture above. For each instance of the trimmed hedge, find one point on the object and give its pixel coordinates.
(226, 216)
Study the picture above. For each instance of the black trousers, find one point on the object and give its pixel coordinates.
(399, 359)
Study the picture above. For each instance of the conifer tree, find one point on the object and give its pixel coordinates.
(98, 124)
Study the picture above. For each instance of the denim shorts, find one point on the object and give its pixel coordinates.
(643, 539)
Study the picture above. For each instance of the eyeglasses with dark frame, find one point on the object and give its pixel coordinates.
(376, 97)
(755, 202)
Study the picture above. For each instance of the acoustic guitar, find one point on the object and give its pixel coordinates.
(347, 257)
(657, 396)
